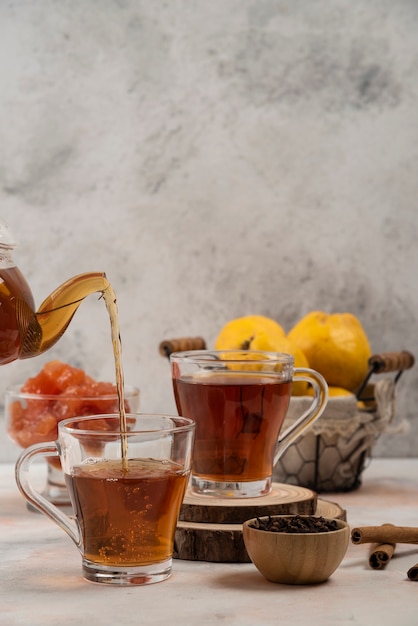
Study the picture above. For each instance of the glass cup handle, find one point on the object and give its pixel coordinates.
(37, 500)
(310, 416)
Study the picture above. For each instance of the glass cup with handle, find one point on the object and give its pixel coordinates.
(125, 506)
(239, 400)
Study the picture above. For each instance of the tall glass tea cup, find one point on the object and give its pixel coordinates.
(125, 506)
(239, 400)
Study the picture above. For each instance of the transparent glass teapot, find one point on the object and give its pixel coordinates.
(25, 332)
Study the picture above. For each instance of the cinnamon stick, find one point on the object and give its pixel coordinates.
(413, 572)
(380, 555)
(386, 533)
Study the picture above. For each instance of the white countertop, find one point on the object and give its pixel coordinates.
(41, 582)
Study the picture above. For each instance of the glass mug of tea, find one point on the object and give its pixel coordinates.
(126, 490)
(238, 400)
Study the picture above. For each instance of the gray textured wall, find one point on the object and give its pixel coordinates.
(215, 159)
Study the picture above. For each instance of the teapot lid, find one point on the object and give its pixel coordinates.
(6, 238)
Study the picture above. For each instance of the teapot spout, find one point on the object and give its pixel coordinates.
(41, 330)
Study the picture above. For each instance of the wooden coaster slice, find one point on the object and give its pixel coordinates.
(224, 543)
(216, 543)
(332, 510)
(283, 500)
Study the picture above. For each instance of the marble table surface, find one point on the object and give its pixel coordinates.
(41, 583)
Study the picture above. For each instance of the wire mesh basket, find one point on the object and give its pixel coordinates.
(333, 454)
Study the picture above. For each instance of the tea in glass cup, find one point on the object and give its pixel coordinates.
(126, 508)
(239, 401)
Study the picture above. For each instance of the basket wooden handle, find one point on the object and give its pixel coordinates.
(391, 362)
(181, 345)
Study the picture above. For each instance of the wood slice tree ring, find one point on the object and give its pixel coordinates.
(282, 500)
(224, 543)
(331, 510)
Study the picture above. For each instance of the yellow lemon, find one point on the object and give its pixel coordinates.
(334, 392)
(335, 345)
(240, 333)
(241, 363)
(283, 344)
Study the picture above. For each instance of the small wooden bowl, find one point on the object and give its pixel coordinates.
(296, 558)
